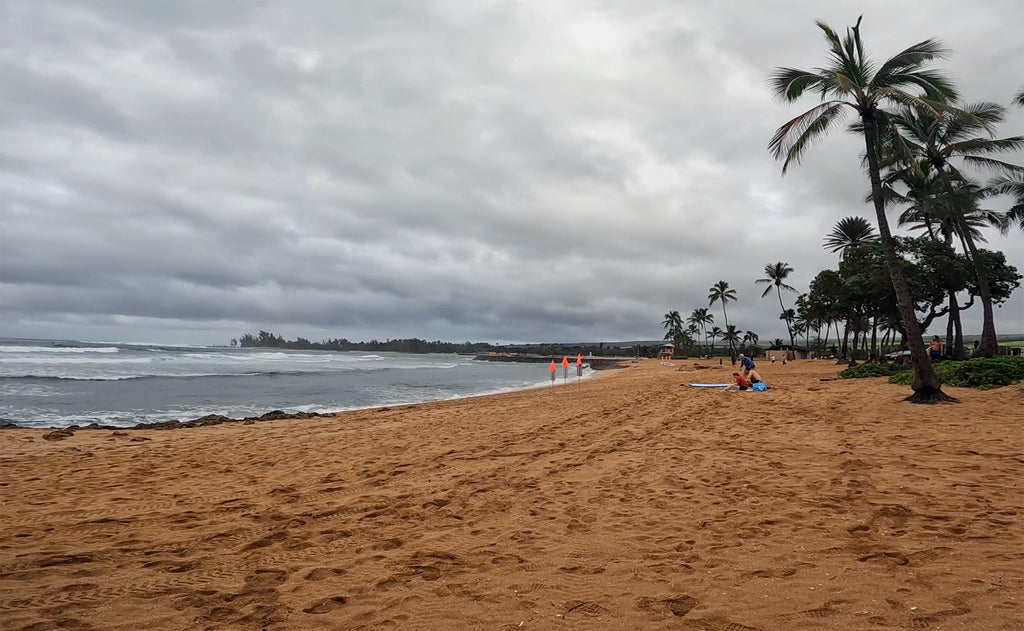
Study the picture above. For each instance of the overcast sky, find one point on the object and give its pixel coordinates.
(185, 172)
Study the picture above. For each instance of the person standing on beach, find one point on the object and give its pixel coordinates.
(935, 349)
(773, 360)
(746, 363)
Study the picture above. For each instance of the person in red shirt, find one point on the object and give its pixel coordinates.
(739, 383)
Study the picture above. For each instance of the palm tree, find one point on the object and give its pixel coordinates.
(750, 338)
(1015, 188)
(857, 84)
(713, 335)
(1018, 99)
(701, 319)
(849, 232)
(732, 336)
(720, 291)
(776, 275)
(673, 324)
(927, 142)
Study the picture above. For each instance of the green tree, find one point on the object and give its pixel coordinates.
(721, 292)
(852, 82)
(775, 276)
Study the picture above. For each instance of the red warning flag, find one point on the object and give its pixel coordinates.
(565, 361)
(579, 358)
(552, 365)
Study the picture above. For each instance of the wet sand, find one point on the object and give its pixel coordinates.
(625, 502)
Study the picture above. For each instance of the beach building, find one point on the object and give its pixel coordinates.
(789, 351)
(666, 351)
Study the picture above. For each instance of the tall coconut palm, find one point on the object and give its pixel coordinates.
(853, 83)
(750, 338)
(931, 141)
(673, 324)
(713, 335)
(849, 232)
(702, 319)
(732, 336)
(775, 276)
(721, 292)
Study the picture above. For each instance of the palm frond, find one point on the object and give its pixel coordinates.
(794, 137)
(913, 57)
(789, 84)
(906, 99)
(937, 88)
(984, 145)
(1018, 99)
(994, 166)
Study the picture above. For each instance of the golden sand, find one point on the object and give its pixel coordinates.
(625, 502)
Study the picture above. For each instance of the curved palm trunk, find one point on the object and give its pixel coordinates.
(989, 345)
(926, 385)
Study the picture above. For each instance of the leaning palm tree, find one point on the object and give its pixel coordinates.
(720, 291)
(775, 276)
(849, 232)
(853, 83)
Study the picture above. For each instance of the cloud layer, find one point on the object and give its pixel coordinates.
(513, 171)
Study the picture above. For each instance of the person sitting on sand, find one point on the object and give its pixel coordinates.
(739, 383)
(753, 376)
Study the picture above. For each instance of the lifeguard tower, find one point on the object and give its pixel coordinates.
(666, 351)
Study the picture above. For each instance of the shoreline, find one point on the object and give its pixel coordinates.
(629, 501)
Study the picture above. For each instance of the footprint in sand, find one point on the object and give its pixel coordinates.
(326, 605)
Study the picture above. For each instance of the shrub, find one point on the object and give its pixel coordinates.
(981, 373)
(871, 370)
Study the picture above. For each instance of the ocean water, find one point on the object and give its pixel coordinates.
(57, 383)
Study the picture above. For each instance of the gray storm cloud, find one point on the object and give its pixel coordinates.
(511, 171)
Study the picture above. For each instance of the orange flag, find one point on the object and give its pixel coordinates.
(552, 365)
(579, 358)
(565, 361)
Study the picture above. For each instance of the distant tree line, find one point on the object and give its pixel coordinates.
(266, 339)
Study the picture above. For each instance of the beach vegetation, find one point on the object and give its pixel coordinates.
(983, 373)
(775, 276)
(874, 370)
(849, 232)
(921, 146)
(851, 82)
(721, 292)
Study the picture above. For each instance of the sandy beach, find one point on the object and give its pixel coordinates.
(627, 501)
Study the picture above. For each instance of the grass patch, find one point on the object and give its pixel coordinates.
(982, 373)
